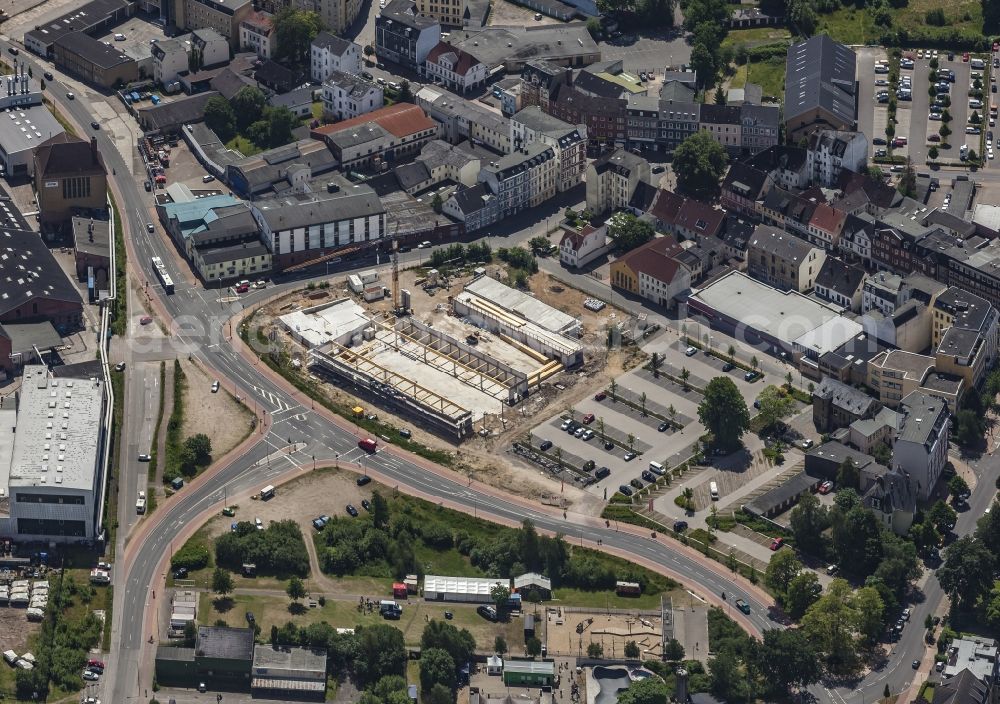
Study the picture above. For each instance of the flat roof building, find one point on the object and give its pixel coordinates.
(22, 130)
(288, 672)
(476, 589)
(50, 459)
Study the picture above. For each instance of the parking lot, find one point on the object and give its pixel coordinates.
(610, 430)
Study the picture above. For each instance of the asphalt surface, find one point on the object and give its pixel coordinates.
(199, 316)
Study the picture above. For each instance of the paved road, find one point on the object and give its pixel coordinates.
(142, 404)
(199, 315)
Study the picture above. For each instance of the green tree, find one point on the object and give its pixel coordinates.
(803, 591)
(628, 232)
(222, 582)
(704, 61)
(631, 650)
(786, 660)
(500, 646)
(830, 625)
(437, 203)
(685, 375)
(957, 487)
(436, 667)
(933, 152)
(533, 647)
(848, 474)
(594, 27)
(993, 606)
(405, 92)
(280, 122)
(248, 104)
(688, 494)
(459, 644)
(500, 594)
(648, 690)
(201, 447)
(727, 680)
(699, 162)
(296, 590)
(294, 31)
(380, 510)
(942, 517)
(595, 650)
(782, 568)
(439, 694)
(724, 412)
(967, 572)
(720, 97)
(775, 405)
(655, 362)
(674, 652)
(908, 181)
(869, 609)
(220, 118)
(380, 652)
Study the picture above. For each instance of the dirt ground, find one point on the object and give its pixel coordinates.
(225, 421)
(15, 630)
(485, 458)
(612, 631)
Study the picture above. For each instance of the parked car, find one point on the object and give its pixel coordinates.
(545, 445)
(600, 396)
(215, 386)
(777, 543)
(629, 456)
(589, 418)
(487, 612)
(750, 376)
(361, 481)
(691, 351)
(825, 487)
(637, 483)
(601, 473)
(680, 526)
(352, 511)
(259, 523)
(180, 573)
(626, 490)
(662, 427)
(566, 424)
(648, 476)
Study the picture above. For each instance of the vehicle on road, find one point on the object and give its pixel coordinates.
(48, 76)
(367, 444)
(95, 124)
(70, 96)
(13, 50)
(743, 606)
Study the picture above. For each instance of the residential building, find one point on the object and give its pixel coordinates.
(825, 226)
(832, 151)
(291, 166)
(840, 283)
(93, 61)
(837, 405)
(724, 124)
(908, 327)
(783, 260)
(476, 206)
(331, 53)
(221, 655)
(57, 500)
(893, 500)
(958, 308)
(868, 433)
(962, 352)
(613, 178)
(976, 656)
(686, 218)
(337, 15)
(392, 133)
(508, 48)
(224, 16)
(257, 35)
(303, 227)
(522, 179)
(539, 82)
(894, 374)
(171, 58)
(760, 127)
(581, 245)
(653, 272)
(456, 69)
(820, 87)
(463, 119)
(70, 177)
(856, 235)
(744, 187)
(210, 48)
(450, 14)
(787, 166)
(446, 162)
(404, 35)
(346, 96)
(921, 446)
(883, 292)
(569, 141)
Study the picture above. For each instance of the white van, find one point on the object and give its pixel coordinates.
(267, 492)
(713, 489)
(10, 657)
(657, 468)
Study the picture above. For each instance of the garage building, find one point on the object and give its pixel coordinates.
(473, 589)
(288, 673)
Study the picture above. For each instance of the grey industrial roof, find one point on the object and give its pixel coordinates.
(58, 432)
(302, 210)
(438, 153)
(290, 659)
(92, 236)
(24, 336)
(820, 73)
(535, 119)
(620, 160)
(845, 396)
(268, 167)
(976, 655)
(760, 115)
(720, 114)
(332, 43)
(677, 91)
(780, 243)
(794, 486)
(26, 128)
(496, 45)
(834, 453)
(451, 104)
(28, 270)
(541, 314)
(81, 18)
(92, 50)
(750, 93)
(969, 310)
(922, 413)
(224, 643)
(176, 112)
(959, 342)
(226, 252)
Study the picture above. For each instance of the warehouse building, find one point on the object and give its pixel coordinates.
(24, 129)
(51, 448)
(221, 658)
(529, 673)
(470, 589)
(288, 673)
(530, 582)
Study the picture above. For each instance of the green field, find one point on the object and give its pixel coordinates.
(770, 75)
(757, 36)
(850, 26)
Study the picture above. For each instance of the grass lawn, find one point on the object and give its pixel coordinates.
(317, 109)
(770, 75)
(850, 26)
(450, 562)
(273, 610)
(757, 36)
(928, 693)
(244, 146)
(961, 15)
(567, 596)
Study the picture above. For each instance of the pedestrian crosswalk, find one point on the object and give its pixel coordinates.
(274, 400)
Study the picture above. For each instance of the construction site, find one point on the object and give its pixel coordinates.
(471, 359)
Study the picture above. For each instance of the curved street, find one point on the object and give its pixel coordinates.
(294, 437)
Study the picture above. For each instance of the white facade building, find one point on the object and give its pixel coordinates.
(257, 35)
(51, 452)
(456, 69)
(170, 58)
(832, 151)
(212, 47)
(346, 96)
(921, 447)
(331, 53)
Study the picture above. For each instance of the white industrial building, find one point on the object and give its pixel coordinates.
(475, 589)
(337, 322)
(499, 308)
(51, 448)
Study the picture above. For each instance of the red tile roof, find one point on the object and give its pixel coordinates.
(655, 259)
(666, 205)
(700, 217)
(828, 218)
(400, 120)
(576, 237)
(463, 60)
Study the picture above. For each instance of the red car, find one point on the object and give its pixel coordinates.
(600, 396)
(242, 288)
(777, 543)
(996, 46)
(899, 142)
(367, 444)
(145, 320)
(588, 419)
(965, 57)
(825, 487)
(95, 663)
